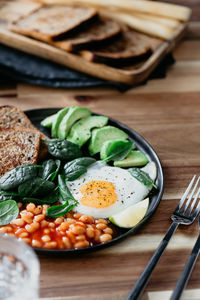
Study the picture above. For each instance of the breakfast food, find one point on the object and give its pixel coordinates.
(128, 49)
(53, 21)
(18, 146)
(72, 200)
(70, 117)
(75, 231)
(135, 158)
(85, 31)
(106, 190)
(98, 34)
(132, 215)
(11, 116)
(103, 135)
(80, 132)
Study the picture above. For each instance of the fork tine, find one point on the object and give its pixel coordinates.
(194, 202)
(191, 195)
(186, 193)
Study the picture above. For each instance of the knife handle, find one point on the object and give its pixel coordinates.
(142, 281)
(183, 280)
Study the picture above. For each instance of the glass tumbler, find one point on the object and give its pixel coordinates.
(19, 270)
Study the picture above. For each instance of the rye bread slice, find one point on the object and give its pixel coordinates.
(95, 34)
(11, 116)
(18, 146)
(52, 21)
(129, 48)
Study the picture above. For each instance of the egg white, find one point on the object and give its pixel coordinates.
(129, 190)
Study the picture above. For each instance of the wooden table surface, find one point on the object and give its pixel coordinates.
(167, 113)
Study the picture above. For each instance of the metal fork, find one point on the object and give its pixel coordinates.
(183, 214)
(187, 271)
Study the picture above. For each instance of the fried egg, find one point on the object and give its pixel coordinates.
(105, 190)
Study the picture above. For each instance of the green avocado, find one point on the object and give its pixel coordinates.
(104, 134)
(47, 122)
(135, 159)
(81, 130)
(74, 114)
(59, 116)
(116, 148)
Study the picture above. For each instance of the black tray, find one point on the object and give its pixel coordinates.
(37, 115)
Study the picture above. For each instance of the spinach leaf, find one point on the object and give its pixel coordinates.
(8, 195)
(142, 176)
(118, 151)
(50, 169)
(75, 168)
(55, 173)
(64, 190)
(63, 149)
(15, 177)
(69, 201)
(8, 211)
(59, 210)
(35, 187)
(49, 199)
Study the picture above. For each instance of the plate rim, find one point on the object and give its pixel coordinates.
(120, 238)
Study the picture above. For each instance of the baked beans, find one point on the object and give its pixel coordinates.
(70, 232)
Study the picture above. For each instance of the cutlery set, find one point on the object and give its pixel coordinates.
(184, 214)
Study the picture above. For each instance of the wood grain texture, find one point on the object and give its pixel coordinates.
(167, 113)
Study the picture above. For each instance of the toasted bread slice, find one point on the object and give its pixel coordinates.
(99, 32)
(18, 146)
(11, 116)
(129, 48)
(12, 10)
(53, 21)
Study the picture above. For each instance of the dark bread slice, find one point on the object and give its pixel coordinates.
(52, 21)
(99, 32)
(11, 116)
(18, 146)
(129, 48)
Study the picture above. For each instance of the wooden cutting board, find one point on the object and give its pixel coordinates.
(13, 9)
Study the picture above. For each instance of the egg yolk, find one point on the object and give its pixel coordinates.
(98, 194)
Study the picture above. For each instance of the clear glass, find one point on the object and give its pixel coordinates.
(19, 270)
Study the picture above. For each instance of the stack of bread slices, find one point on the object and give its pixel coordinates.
(83, 31)
(20, 140)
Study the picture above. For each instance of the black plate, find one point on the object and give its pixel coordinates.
(37, 115)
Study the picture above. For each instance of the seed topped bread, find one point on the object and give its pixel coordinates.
(99, 32)
(53, 21)
(18, 146)
(129, 48)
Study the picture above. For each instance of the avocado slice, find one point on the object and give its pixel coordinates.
(116, 148)
(102, 135)
(47, 122)
(135, 159)
(81, 130)
(60, 115)
(74, 114)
